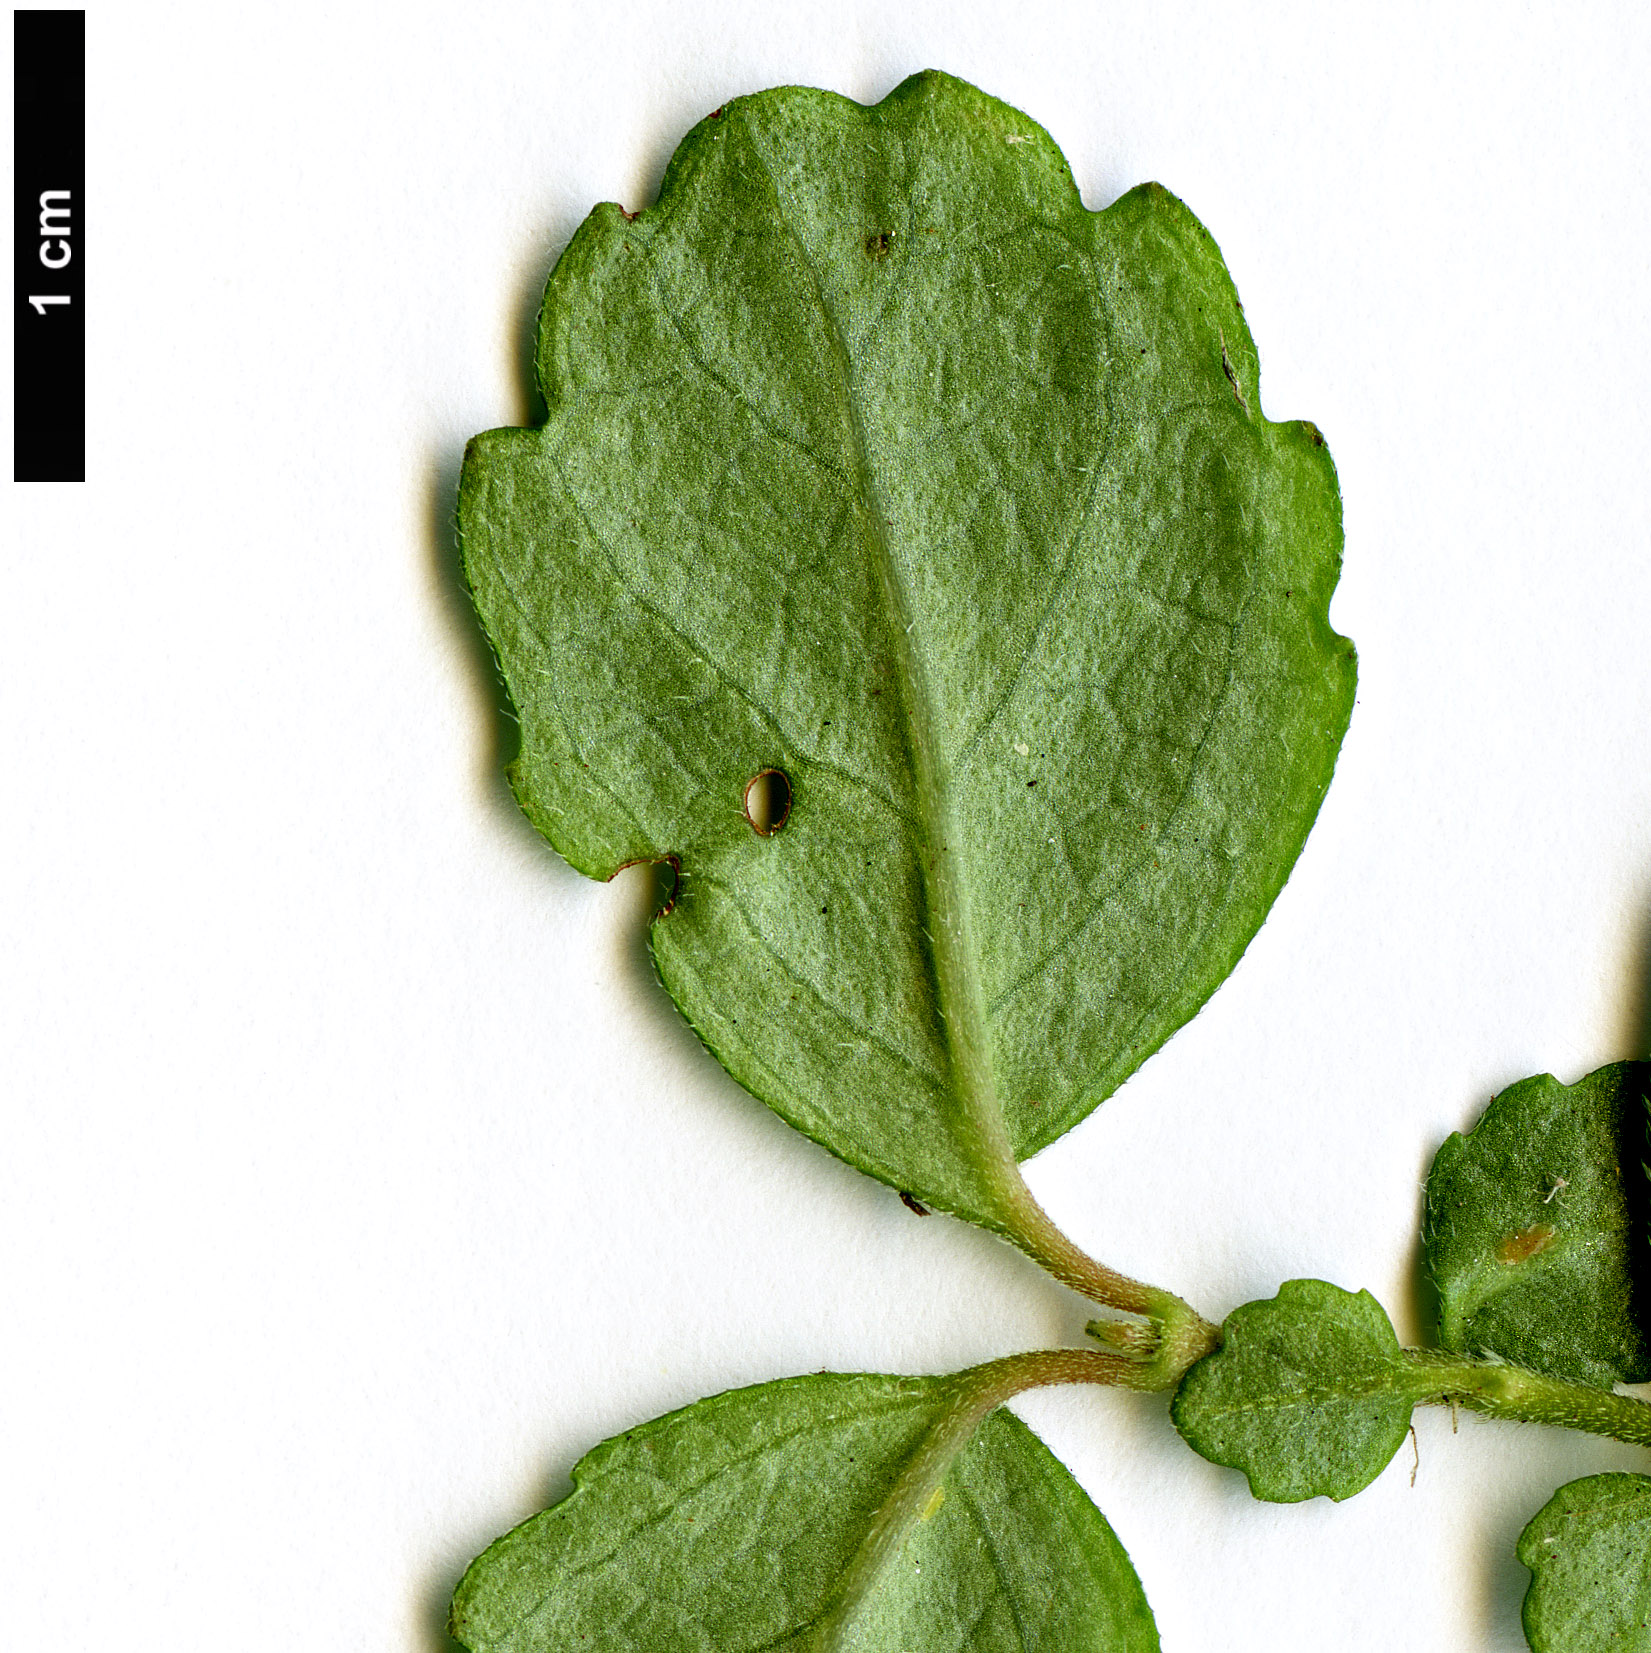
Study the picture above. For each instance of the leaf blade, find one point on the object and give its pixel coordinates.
(1309, 1394)
(746, 1522)
(1533, 1235)
(1589, 1552)
(857, 375)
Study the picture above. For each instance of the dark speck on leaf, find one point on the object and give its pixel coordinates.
(913, 1205)
(878, 245)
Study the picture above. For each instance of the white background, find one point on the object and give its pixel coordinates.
(357, 1177)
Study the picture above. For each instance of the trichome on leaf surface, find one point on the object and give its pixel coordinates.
(905, 561)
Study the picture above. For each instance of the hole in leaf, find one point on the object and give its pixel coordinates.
(664, 878)
(767, 802)
(667, 878)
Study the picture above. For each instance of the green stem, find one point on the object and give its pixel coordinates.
(1528, 1397)
(997, 1381)
(1183, 1334)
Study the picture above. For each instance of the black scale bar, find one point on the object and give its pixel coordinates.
(49, 297)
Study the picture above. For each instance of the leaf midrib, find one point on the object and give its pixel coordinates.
(959, 1001)
(926, 1468)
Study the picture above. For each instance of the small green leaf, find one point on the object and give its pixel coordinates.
(1589, 1552)
(1309, 1393)
(1533, 1234)
(822, 1513)
(874, 459)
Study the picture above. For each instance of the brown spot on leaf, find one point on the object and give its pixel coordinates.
(878, 245)
(1526, 1244)
(913, 1205)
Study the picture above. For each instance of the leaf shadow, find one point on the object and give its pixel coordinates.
(496, 713)
(1504, 1578)
(436, 1596)
(651, 886)
(1422, 1302)
(1631, 1156)
(433, 1609)
(1634, 1134)
(444, 561)
(1633, 1142)
(1637, 1019)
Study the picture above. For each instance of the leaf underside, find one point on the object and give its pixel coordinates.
(875, 458)
(738, 1524)
(1309, 1394)
(1535, 1232)
(1589, 1551)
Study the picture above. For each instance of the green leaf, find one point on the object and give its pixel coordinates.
(1534, 1234)
(1589, 1552)
(875, 459)
(1309, 1393)
(823, 1513)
